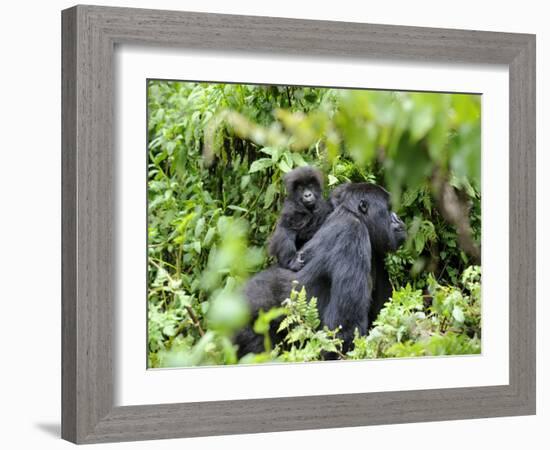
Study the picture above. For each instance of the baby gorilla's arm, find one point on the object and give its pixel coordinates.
(283, 245)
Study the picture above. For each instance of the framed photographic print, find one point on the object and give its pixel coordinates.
(267, 230)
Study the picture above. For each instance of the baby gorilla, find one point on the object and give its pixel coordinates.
(304, 211)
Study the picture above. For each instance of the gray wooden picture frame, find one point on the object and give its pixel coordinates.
(89, 36)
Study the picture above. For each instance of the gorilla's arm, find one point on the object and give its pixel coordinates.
(283, 242)
(282, 245)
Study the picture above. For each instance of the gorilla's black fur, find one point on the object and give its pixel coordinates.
(304, 211)
(344, 266)
(382, 289)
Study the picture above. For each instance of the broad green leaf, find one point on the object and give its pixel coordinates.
(458, 314)
(228, 312)
(197, 247)
(244, 181)
(260, 165)
(298, 159)
(209, 236)
(183, 298)
(332, 180)
(283, 165)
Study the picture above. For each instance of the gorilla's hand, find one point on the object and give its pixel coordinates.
(297, 262)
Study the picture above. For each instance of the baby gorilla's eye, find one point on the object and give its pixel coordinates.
(363, 206)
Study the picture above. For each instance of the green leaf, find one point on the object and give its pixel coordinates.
(262, 323)
(197, 247)
(199, 227)
(183, 299)
(270, 195)
(283, 165)
(268, 150)
(260, 165)
(169, 330)
(209, 236)
(310, 97)
(228, 312)
(419, 242)
(458, 314)
(298, 159)
(244, 181)
(274, 152)
(170, 146)
(332, 180)
(237, 208)
(175, 284)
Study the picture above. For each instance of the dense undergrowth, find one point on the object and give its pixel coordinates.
(217, 154)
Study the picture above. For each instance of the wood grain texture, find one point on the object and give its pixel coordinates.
(522, 281)
(89, 36)
(68, 226)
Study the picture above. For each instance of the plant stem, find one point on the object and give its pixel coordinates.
(195, 320)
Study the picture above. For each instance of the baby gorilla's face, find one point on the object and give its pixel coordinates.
(308, 195)
(304, 187)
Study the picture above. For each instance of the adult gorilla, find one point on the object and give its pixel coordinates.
(344, 266)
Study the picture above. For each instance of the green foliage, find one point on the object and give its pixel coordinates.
(304, 340)
(216, 157)
(444, 321)
(177, 320)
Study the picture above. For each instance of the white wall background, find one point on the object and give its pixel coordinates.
(30, 222)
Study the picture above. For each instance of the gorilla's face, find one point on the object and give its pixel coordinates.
(399, 230)
(304, 186)
(386, 230)
(308, 194)
(372, 204)
(396, 232)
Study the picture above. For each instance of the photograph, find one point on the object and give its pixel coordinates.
(304, 223)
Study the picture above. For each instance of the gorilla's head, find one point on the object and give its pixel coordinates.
(304, 186)
(371, 203)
